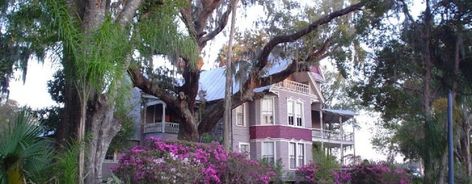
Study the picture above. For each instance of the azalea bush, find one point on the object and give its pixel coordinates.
(307, 172)
(158, 161)
(372, 173)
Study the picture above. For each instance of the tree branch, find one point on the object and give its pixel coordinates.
(213, 112)
(263, 57)
(406, 11)
(221, 25)
(208, 6)
(282, 75)
(150, 87)
(186, 16)
(317, 54)
(128, 11)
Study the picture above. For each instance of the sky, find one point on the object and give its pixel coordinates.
(34, 92)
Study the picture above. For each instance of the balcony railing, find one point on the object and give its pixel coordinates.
(169, 127)
(329, 135)
(294, 86)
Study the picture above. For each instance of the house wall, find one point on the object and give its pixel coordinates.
(281, 151)
(280, 132)
(240, 133)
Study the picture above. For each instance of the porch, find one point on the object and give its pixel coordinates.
(332, 137)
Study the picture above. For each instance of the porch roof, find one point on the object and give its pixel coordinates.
(332, 115)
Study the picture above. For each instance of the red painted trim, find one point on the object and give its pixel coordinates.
(277, 131)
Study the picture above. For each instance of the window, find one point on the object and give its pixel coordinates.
(240, 115)
(267, 110)
(301, 154)
(298, 113)
(268, 151)
(296, 154)
(295, 113)
(292, 156)
(244, 148)
(290, 112)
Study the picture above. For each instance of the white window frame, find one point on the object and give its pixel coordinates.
(248, 146)
(290, 112)
(290, 150)
(295, 115)
(298, 153)
(262, 112)
(243, 111)
(263, 151)
(301, 153)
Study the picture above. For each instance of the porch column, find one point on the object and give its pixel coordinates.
(354, 140)
(143, 119)
(322, 128)
(163, 125)
(342, 139)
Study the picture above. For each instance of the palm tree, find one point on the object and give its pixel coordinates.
(24, 154)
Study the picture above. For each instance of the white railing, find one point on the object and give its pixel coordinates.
(332, 135)
(294, 86)
(169, 127)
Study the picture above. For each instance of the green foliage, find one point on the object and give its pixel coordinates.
(23, 36)
(326, 165)
(66, 165)
(23, 153)
(157, 33)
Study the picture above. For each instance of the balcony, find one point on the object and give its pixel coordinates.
(159, 127)
(329, 136)
(294, 86)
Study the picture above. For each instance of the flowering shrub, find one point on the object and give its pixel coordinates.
(307, 171)
(370, 173)
(178, 162)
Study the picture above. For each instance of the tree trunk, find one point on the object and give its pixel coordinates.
(429, 160)
(81, 137)
(67, 129)
(229, 85)
(103, 127)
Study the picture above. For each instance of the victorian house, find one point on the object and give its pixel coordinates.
(283, 126)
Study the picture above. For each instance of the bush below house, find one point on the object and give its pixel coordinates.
(180, 162)
(365, 173)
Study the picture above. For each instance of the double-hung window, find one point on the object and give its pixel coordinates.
(290, 112)
(267, 110)
(298, 113)
(292, 147)
(240, 119)
(301, 154)
(268, 152)
(295, 113)
(296, 154)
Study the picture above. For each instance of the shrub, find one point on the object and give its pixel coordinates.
(372, 173)
(180, 162)
(307, 172)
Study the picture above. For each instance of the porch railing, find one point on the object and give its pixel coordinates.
(332, 135)
(294, 86)
(169, 127)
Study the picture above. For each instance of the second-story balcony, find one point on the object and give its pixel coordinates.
(329, 136)
(294, 86)
(159, 127)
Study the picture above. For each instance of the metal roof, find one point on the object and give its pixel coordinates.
(333, 115)
(213, 81)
